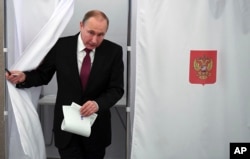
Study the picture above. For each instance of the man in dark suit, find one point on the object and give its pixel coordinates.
(104, 86)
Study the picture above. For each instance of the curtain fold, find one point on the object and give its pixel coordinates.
(38, 25)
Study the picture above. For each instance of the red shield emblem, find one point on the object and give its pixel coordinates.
(202, 69)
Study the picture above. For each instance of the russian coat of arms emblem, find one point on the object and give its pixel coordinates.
(202, 66)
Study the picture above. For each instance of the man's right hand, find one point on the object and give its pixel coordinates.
(15, 77)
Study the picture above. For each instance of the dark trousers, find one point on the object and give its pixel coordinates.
(77, 150)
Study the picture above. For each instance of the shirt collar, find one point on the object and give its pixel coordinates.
(80, 44)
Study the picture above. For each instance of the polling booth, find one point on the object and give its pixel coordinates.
(186, 73)
(118, 33)
(29, 21)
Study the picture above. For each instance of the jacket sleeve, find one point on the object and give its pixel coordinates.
(42, 74)
(115, 88)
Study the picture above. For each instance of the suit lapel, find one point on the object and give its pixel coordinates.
(72, 50)
(97, 66)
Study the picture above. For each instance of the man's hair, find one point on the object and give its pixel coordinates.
(95, 13)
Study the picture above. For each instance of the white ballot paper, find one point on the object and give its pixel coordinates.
(75, 123)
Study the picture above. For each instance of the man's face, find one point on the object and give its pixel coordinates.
(93, 31)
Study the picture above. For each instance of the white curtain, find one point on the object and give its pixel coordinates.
(173, 118)
(38, 24)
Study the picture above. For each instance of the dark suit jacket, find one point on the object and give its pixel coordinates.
(105, 86)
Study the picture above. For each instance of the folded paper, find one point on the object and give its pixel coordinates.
(75, 123)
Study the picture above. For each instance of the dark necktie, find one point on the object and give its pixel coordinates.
(85, 70)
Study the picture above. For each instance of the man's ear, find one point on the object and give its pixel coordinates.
(81, 24)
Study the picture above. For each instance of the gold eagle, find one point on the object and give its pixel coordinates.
(203, 65)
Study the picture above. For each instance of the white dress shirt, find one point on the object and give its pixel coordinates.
(81, 53)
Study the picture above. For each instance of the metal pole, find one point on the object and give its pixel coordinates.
(5, 84)
(128, 127)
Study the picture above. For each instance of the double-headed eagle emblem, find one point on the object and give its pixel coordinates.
(203, 66)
